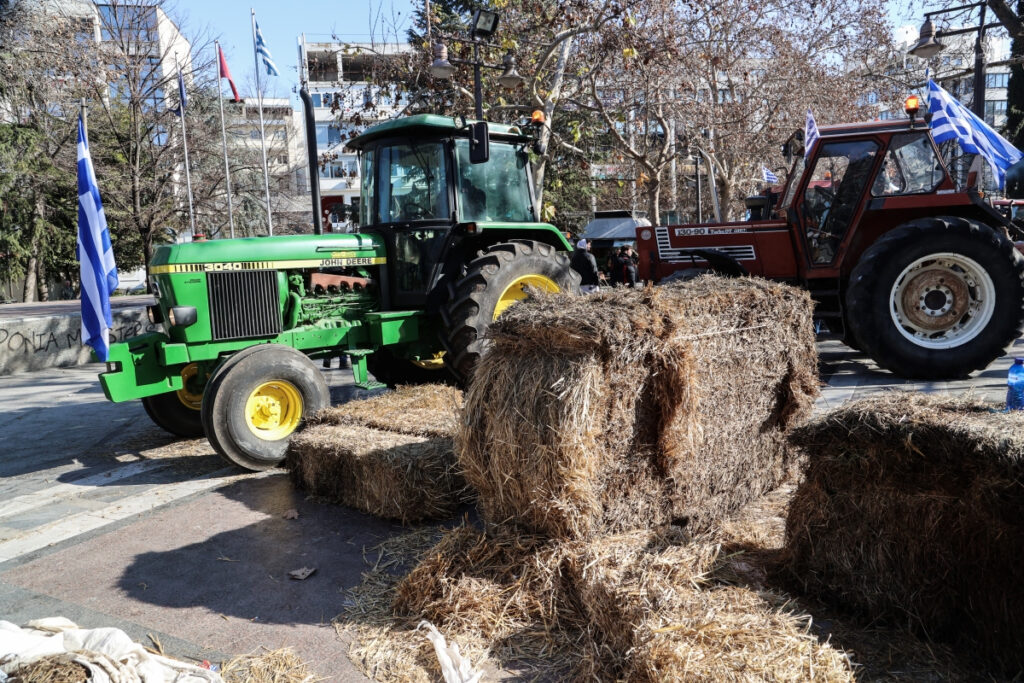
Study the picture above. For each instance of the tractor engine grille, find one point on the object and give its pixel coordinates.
(244, 304)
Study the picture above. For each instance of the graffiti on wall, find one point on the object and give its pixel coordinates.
(15, 339)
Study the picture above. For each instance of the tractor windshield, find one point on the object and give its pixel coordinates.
(497, 190)
(911, 167)
(404, 183)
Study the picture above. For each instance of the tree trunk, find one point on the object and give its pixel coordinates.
(32, 267)
(725, 194)
(549, 110)
(654, 201)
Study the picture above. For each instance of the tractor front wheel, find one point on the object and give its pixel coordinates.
(257, 400)
(178, 412)
(498, 278)
(937, 298)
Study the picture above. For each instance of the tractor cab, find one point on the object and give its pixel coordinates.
(430, 184)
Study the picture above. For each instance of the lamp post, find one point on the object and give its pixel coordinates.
(928, 46)
(485, 23)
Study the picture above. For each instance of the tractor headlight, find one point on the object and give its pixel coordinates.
(181, 316)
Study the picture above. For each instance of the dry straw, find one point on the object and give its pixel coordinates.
(636, 408)
(430, 410)
(53, 669)
(397, 476)
(910, 512)
(268, 666)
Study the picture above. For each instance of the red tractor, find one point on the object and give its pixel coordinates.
(903, 265)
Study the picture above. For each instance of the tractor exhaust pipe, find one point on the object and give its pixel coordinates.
(314, 167)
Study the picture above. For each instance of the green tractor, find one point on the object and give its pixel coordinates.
(450, 237)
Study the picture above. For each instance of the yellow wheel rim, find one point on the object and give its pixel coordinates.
(188, 395)
(273, 410)
(516, 291)
(436, 362)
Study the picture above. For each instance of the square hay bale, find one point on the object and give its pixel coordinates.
(655, 613)
(630, 409)
(392, 475)
(421, 410)
(910, 511)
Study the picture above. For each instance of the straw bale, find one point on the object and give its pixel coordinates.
(392, 475)
(635, 408)
(430, 410)
(910, 512)
(659, 613)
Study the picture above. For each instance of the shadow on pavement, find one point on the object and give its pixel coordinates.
(243, 573)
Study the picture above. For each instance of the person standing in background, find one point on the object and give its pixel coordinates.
(584, 263)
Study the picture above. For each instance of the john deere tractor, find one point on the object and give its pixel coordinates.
(450, 238)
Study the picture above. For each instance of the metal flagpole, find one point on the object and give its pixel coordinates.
(184, 141)
(224, 137)
(263, 140)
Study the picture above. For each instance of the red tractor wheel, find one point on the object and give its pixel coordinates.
(937, 298)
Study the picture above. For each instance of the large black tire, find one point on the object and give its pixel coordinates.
(937, 298)
(179, 412)
(256, 401)
(393, 370)
(497, 275)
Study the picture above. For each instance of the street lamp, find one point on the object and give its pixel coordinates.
(928, 46)
(483, 26)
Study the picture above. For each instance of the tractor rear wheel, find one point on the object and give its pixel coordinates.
(257, 400)
(496, 279)
(178, 412)
(937, 298)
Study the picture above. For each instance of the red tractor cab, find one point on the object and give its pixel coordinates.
(904, 265)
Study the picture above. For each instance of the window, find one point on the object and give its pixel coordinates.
(997, 80)
(316, 99)
(327, 134)
(910, 167)
(411, 184)
(497, 190)
(840, 174)
(994, 107)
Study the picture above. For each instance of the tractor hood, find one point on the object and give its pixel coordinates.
(270, 252)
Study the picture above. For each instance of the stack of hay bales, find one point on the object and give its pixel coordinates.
(633, 409)
(912, 510)
(390, 455)
(602, 434)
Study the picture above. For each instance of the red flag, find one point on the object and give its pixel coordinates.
(224, 73)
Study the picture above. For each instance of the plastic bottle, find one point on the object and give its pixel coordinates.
(1015, 385)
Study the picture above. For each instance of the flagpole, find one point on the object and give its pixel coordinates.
(184, 141)
(224, 137)
(263, 140)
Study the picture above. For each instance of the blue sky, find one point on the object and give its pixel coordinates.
(281, 23)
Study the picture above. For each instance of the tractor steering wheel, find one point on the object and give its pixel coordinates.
(413, 211)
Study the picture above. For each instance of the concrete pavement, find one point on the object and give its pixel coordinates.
(109, 521)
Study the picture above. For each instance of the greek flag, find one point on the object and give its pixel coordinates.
(951, 119)
(810, 134)
(768, 176)
(95, 256)
(264, 52)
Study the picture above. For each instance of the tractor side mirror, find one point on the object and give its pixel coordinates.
(479, 143)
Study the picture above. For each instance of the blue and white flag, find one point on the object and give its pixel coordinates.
(95, 256)
(951, 119)
(264, 52)
(182, 97)
(810, 134)
(768, 176)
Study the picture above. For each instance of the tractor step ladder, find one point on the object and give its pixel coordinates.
(359, 371)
